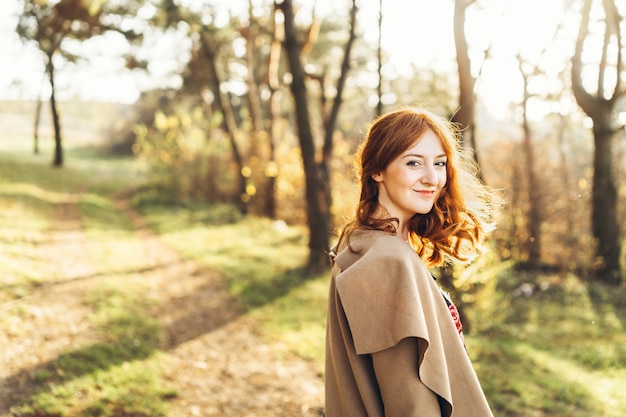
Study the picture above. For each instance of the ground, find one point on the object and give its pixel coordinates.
(220, 365)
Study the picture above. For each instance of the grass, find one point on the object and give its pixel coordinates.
(558, 351)
(28, 200)
(261, 261)
(121, 372)
(117, 375)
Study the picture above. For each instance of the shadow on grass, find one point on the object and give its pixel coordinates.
(608, 300)
(133, 335)
(519, 384)
(255, 293)
(128, 336)
(204, 309)
(609, 304)
(559, 350)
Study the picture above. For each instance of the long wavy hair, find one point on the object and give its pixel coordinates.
(465, 210)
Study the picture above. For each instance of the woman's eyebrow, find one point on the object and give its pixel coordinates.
(416, 155)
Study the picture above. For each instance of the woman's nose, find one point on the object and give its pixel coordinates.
(430, 176)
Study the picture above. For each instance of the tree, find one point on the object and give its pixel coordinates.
(463, 117)
(535, 189)
(210, 49)
(50, 24)
(379, 51)
(317, 176)
(599, 105)
(467, 97)
(274, 85)
(534, 216)
(259, 134)
(36, 125)
(331, 115)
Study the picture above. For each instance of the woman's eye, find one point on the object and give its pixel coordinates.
(414, 163)
(441, 163)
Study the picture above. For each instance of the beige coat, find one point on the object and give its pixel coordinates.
(392, 348)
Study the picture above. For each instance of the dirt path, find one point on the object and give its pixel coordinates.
(52, 318)
(217, 361)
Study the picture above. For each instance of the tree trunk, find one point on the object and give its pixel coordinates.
(271, 169)
(256, 160)
(58, 144)
(464, 117)
(36, 125)
(534, 197)
(318, 218)
(465, 114)
(331, 120)
(229, 123)
(569, 238)
(534, 215)
(604, 221)
(251, 81)
(379, 104)
(467, 98)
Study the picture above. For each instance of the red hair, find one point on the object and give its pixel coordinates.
(456, 226)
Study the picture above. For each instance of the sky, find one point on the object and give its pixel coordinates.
(414, 32)
(103, 78)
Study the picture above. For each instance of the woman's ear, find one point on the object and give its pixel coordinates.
(378, 177)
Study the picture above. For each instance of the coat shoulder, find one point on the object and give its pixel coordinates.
(374, 247)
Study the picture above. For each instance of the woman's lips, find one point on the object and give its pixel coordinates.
(425, 193)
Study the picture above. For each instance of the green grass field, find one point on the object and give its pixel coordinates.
(559, 351)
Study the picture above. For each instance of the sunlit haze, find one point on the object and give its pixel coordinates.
(417, 32)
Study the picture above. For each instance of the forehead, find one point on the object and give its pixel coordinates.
(428, 144)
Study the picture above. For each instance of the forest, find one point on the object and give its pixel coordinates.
(248, 131)
(272, 101)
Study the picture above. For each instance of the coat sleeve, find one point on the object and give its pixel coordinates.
(402, 392)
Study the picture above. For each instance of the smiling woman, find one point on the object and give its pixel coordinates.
(393, 345)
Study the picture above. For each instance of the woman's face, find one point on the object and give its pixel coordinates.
(412, 182)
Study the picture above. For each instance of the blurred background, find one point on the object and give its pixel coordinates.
(203, 147)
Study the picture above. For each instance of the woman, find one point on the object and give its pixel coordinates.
(393, 347)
